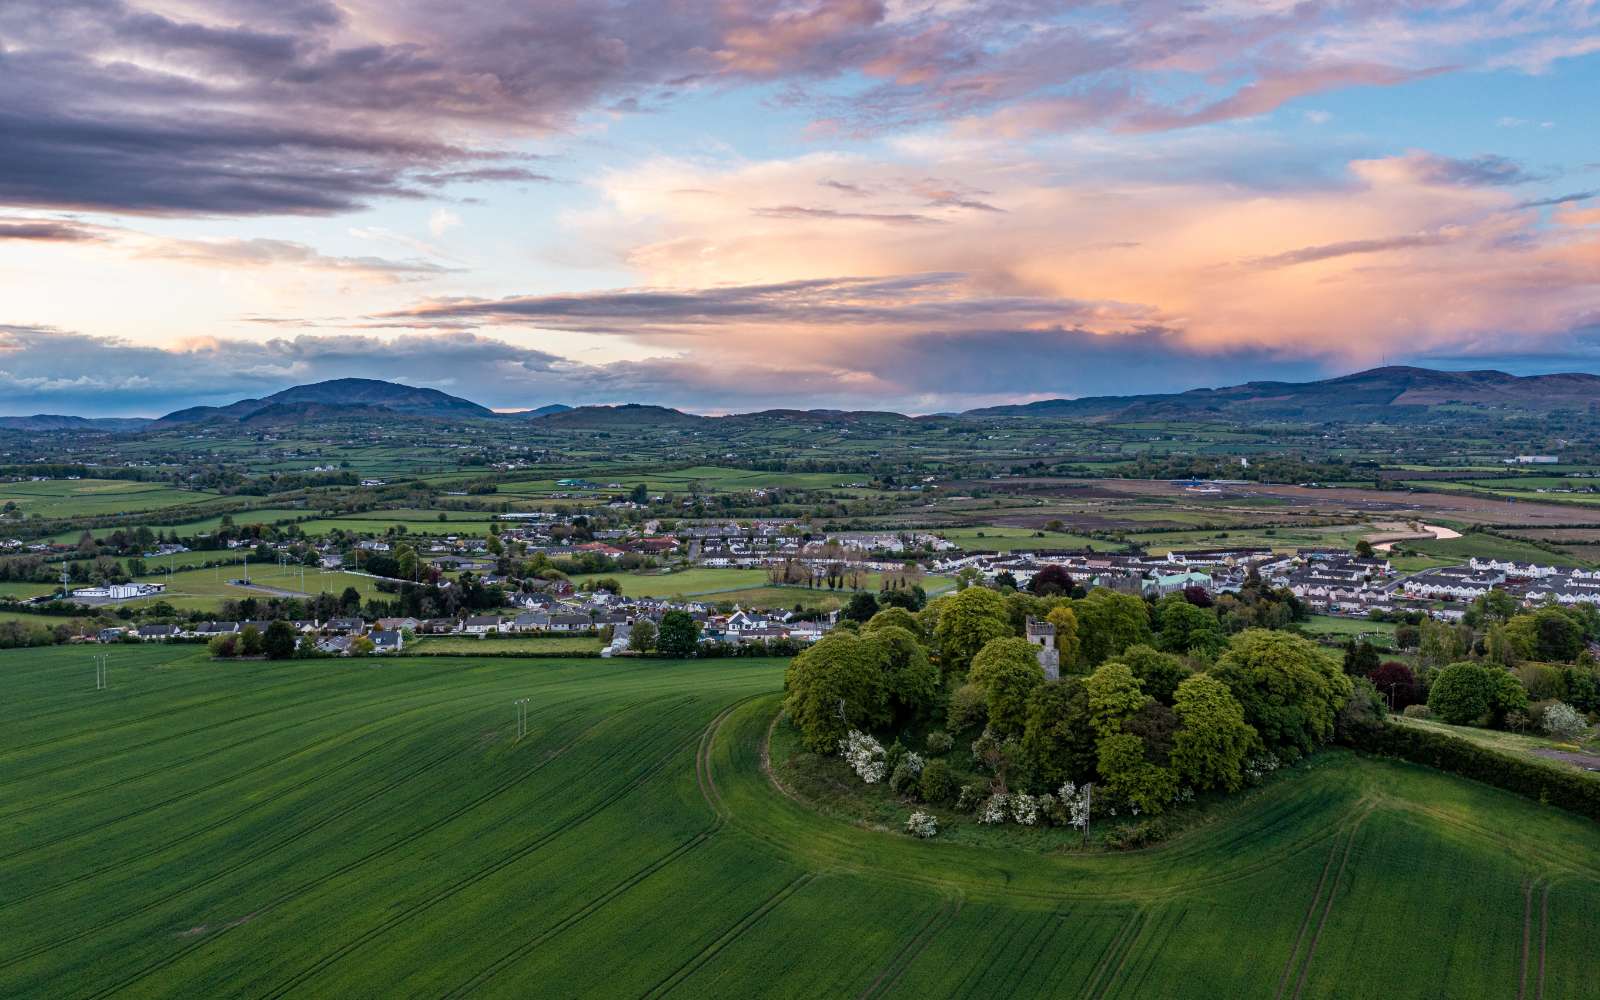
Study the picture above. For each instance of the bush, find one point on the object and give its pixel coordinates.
(940, 742)
(923, 825)
(905, 779)
(969, 707)
(938, 783)
(1563, 722)
(972, 795)
(1418, 712)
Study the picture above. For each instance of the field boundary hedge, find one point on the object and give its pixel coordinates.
(1574, 791)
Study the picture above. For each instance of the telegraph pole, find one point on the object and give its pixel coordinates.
(1088, 805)
(522, 717)
(102, 671)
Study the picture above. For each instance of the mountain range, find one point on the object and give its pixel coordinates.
(1380, 393)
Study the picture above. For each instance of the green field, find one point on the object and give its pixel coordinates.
(205, 589)
(466, 645)
(747, 585)
(372, 828)
(1003, 538)
(96, 497)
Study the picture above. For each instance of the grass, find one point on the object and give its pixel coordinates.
(56, 498)
(1350, 628)
(206, 589)
(316, 828)
(1515, 744)
(1004, 538)
(545, 644)
(713, 583)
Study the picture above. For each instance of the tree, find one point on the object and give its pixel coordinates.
(1360, 659)
(1109, 622)
(1159, 673)
(1131, 778)
(1188, 629)
(1069, 648)
(362, 646)
(1007, 670)
(894, 617)
(1290, 691)
(1364, 549)
(224, 646)
(280, 640)
(967, 622)
(678, 635)
(911, 682)
(833, 687)
(250, 641)
(1115, 696)
(642, 638)
(1506, 695)
(1460, 693)
(1548, 634)
(350, 600)
(1213, 739)
(1395, 681)
(1439, 644)
(1057, 738)
(1051, 581)
(1494, 606)
(861, 608)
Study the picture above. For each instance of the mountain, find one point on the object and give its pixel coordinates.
(1378, 393)
(541, 411)
(57, 422)
(327, 399)
(626, 415)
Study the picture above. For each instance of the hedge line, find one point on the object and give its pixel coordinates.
(508, 653)
(1575, 791)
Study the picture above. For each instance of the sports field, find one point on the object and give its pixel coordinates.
(375, 829)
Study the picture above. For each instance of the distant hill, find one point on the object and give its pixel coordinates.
(1374, 394)
(539, 411)
(57, 422)
(328, 398)
(626, 415)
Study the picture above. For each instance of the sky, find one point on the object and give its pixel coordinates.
(912, 205)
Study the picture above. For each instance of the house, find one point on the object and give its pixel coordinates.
(531, 621)
(207, 630)
(1043, 634)
(440, 626)
(157, 633)
(570, 623)
(387, 640)
(481, 624)
(109, 635)
(398, 624)
(346, 626)
(620, 635)
(335, 645)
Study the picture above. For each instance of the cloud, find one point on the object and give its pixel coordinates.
(809, 212)
(46, 370)
(1560, 199)
(1488, 170)
(246, 107)
(46, 231)
(1328, 251)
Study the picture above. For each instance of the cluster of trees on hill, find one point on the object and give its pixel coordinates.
(1502, 666)
(1155, 701)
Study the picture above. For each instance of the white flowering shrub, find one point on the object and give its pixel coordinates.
(1257, 768)
(969, 798)
(1564, 722)
(864, 755)
(913, 762)
(922, 825)
(1075, 801)
(1047, 807)
(993, 812)
(1024, 808)
(1184, 794)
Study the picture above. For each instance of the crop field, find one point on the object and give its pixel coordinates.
(354, 828)
(1005, 538)
(96, 497)
(465, 645)
(727, 584)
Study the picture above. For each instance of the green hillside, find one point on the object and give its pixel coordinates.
(366, 828)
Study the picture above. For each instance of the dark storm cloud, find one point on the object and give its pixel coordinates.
(310, 106)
